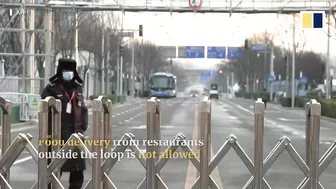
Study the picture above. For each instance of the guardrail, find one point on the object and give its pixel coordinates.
(48, 170)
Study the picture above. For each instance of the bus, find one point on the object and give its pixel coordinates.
(162, 85)
(214, 93)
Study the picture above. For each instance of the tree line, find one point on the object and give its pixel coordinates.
(252, 65)
(91, 31)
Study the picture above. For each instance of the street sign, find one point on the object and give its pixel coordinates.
(270, 78)
(217, 52)
(195, 52)
(35, 102)
(205, 76)
(234, 52)
(195, 4)
(303, 80)
(214, 73)
(259, 47)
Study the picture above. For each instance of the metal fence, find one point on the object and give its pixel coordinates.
(311, 165)
(28, 104)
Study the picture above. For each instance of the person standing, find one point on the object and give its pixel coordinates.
(66, 85)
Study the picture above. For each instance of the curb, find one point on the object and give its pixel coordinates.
(298, 109)
(328, 118)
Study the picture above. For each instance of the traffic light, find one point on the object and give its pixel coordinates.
(245, 86)
(246, 45)
(121, 50)
(220, 71)
(171, 61)
(140, 31)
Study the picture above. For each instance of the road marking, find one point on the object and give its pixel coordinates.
(145, 126)
(285, 119)
(244, 109)
(295, 133)
(192, 172)
(215, 173)
(22, 160)
(278, 108)
(232, 117)
(23, 128)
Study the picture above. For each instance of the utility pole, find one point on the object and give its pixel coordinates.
(32, 49)
(132, 67)
(287, 75)
(293, 65)
(265, 67)
(103, 55)
(23, 49)
(107, 84)
(271, 70)
(328, 81)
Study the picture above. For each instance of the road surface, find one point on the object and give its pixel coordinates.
(229, 116)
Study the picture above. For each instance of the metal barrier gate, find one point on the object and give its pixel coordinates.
(312, 166)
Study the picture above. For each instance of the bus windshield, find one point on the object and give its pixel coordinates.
(160, 82)
(214, 87)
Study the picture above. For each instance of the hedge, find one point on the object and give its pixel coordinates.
(112, 97)
(328, 107)
(263, 95)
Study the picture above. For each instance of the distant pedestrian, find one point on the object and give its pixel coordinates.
(264, 99)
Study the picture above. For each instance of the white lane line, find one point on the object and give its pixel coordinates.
(120, 123)
(295, 133)
(126, 120)
(22, 160)
(117, 114)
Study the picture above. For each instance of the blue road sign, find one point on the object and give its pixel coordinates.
(206, 73)
(234, 52)
(217, 52)
(259, 47)
(195, 52)
(205, 76)
(303, 80)
(270, 78)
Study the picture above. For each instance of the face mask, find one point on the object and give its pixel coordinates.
(67, 76)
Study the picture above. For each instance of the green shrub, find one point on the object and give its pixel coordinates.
(300, 101)
(111, 97)
(238, 94)
(328, 108)
(247, 95)
(92, 97)
(286, 101)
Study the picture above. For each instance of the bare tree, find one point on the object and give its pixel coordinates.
(10, 41)
(300, 41)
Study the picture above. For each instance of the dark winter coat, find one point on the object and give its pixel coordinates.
(76, 122)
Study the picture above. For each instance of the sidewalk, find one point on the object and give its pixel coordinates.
(295, 110)
(88, 104)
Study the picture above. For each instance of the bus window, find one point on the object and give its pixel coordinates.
(214, 87)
